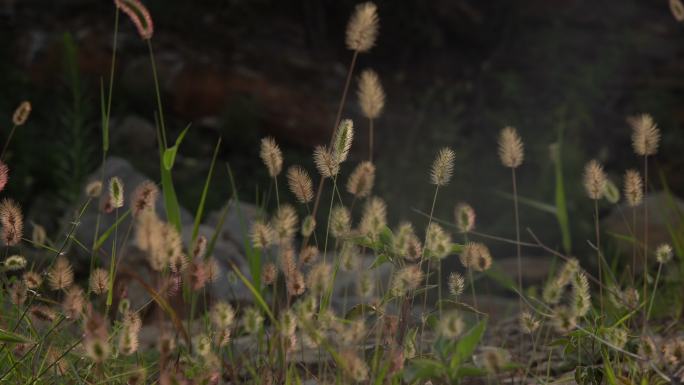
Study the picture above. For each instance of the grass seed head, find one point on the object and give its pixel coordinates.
(362, 28)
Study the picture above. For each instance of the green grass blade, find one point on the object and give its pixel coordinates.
(103, 238)
(200, 208)
(10, 337)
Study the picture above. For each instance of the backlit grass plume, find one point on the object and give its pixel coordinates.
(442, 167)
(326, 162)
(362, 29)
(139, 15)
(21, 113)
(594, 180)
(360, 182)
(645, 134)
(511, 149)
(300, 184)
(12, 222)
(116, 192)
(271, 156)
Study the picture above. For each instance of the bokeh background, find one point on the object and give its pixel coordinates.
(455, 72)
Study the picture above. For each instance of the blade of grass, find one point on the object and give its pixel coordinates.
(103, 238)
(200, 208)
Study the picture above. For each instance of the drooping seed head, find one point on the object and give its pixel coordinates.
(442, 167)
(371, 95)
(360, 182)
(594, 180)
(645, 134)
(271, 156)
(21, 113)
(511, 148)
(139, 15)
(633, 189)
(300, 184)
(362, 29)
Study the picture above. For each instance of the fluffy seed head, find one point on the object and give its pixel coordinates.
(4, 175)
(511, 148)
(360, 182)
(645, 134)
(326, 162)
(116, 193)
(222, 315)
(344, 136)
(139, 15)
(319, 278)
(295, 283)
(406, 279)
(442, 167)
(252, 320)
(450, 325)
(21, 114)
(492, 359)
(284, 223)
(300, 184)
(437, 241)
(528, 323)
(371, 95)
(200, 247)
(664, 253)
(61, 275)
(38, 236)
(581, 299)
(594, 180)
(144, 197)
(456, 284)
(32, 279)
(374, 217)
(18, 292)
(12, 222)
(354, 367)
(74, 302)
(633, 189)
(269, 273)
(262, 235)
(563, 319)
(308, 225)
(99, 281)
(677, 9)
(308, 255)
(340, 221)
(271, 156)
(476, 256)
(362, 29)
(94, 189)
(15, 262)
(464, 215)
(42, 313)
(403, 239)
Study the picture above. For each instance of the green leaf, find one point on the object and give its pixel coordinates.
(539, 205)
(13, 338)
(608, 370)
(257, 296)
(423, 368)
(386, 237)
(467, 344)
(103, 238)
(169, 156)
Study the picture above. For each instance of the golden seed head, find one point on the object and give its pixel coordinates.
(21, 114)
(528, 323)
(442, 167)
(464, 216)
(284, 223)
(362, 29)
(39, 235)
(476, 256)
(456, 284)
(340, 221)
(374, 217)
(403, 238)
(664, 253)
(344, 136)
(252, 320)
(645, 134)
(222, 315)
(450, 325)
(295, 283)
(139, 15)
(594, 180)
(563, 319)
(360, 182)
(99, 281)
(308, 225)
(271, 156)
(300, 184)
(14, 263)
(200, 247)
(319, 278)
(144, 197)
(116, 193)
(492, 359)
(371, 95)
(4, 175)
(633, 189)
(511, 148)
(437, 241)
(406, 279)
(308, 255)
(12, 222)
(262, 235)
(74, 302)
(354, 367)
(61, 275)
(677, 9)
(581, 299)
(326, 163)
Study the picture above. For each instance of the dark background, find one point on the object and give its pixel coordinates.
(455, 72)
